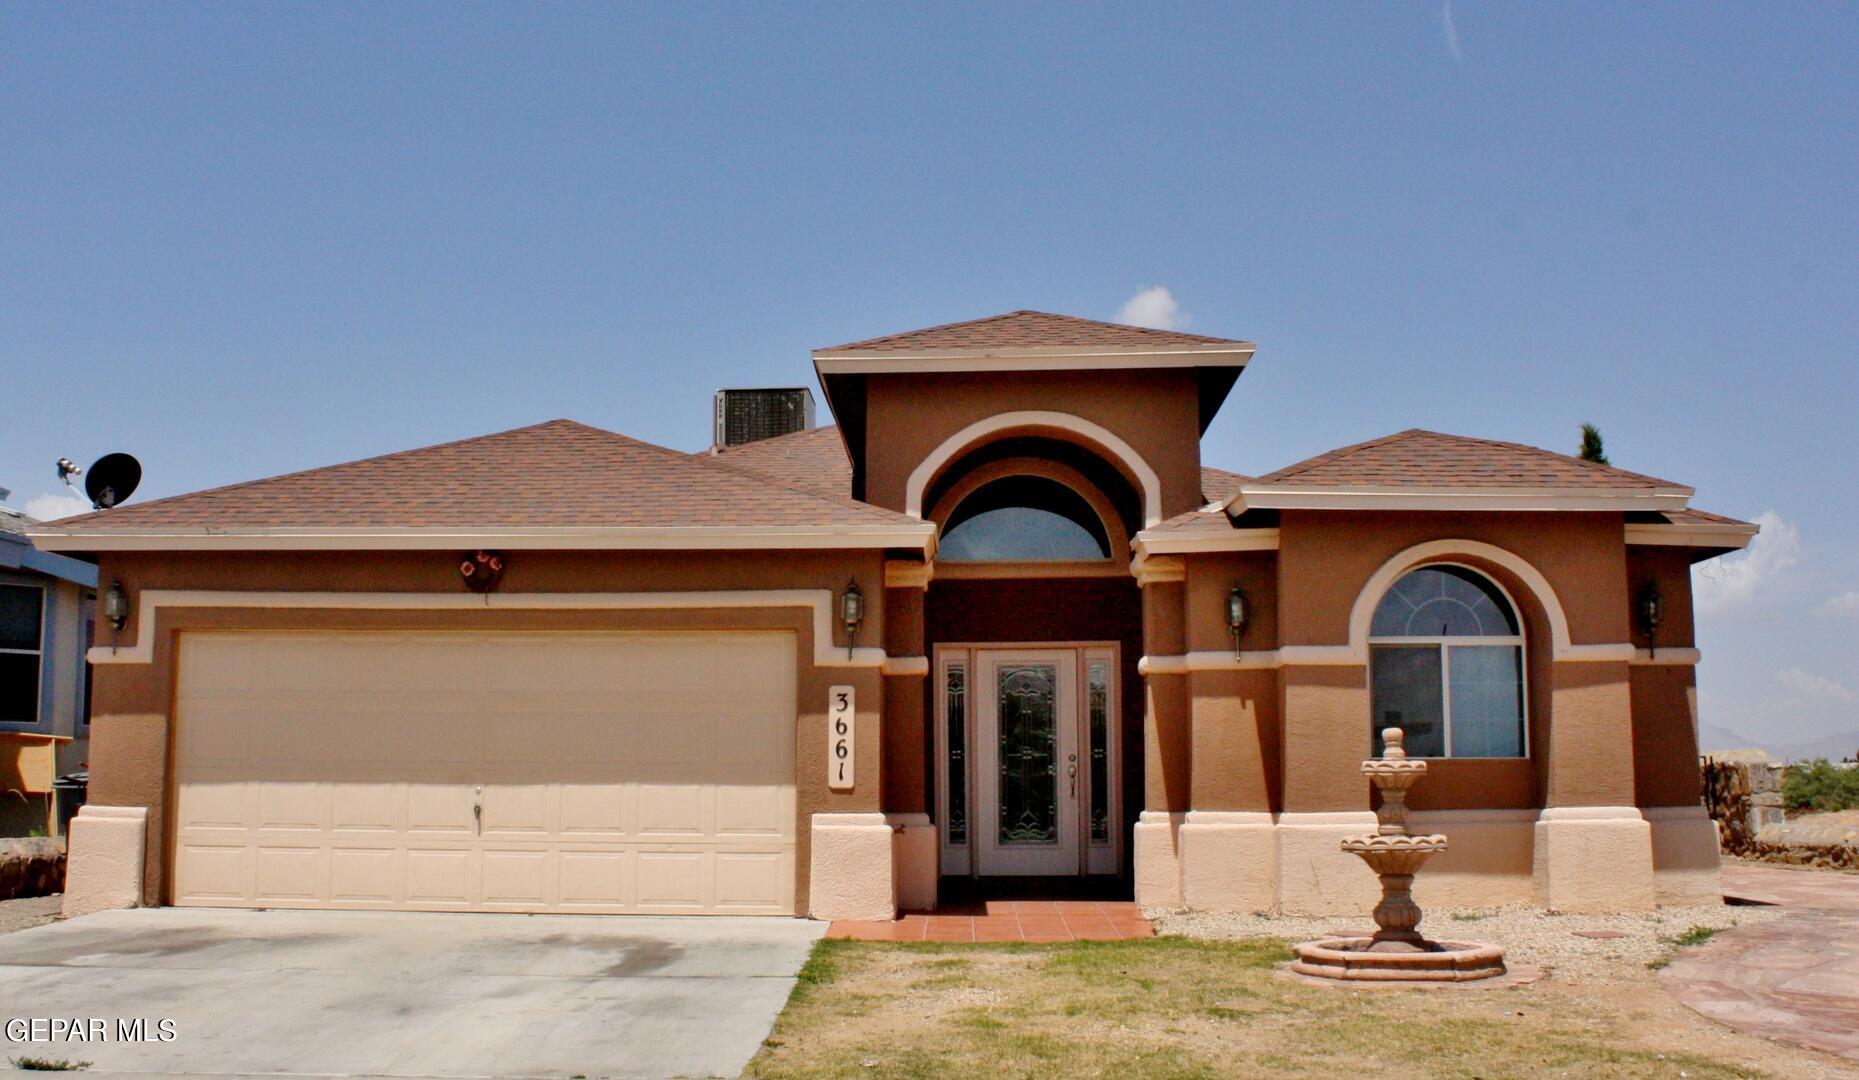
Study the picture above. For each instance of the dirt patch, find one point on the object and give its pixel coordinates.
(31, 911)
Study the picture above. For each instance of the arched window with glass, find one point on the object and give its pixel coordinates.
(1446, 666)
(1024, 519)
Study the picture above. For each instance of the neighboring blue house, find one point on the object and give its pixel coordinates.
(47, 606)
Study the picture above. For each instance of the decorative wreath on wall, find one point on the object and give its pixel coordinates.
(482, 570)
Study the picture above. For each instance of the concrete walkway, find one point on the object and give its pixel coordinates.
(1795, 979)
(350, 993)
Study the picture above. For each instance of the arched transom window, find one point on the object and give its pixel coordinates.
(1023, 519)
(1446, 665)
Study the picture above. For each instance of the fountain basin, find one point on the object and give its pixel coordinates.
(1358, 958)
(1394, 854)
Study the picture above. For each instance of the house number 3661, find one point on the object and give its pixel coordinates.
(839, 725)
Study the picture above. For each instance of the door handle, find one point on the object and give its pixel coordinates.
(477, 810)
(1071, 771)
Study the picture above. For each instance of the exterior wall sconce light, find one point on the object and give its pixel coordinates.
(1652, 609)
(1236, 615)
(851, 612)
(116, 606)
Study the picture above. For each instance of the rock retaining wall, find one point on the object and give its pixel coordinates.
(31, 866)
(1745, 799)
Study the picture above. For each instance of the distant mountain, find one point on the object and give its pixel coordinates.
(1833, 747)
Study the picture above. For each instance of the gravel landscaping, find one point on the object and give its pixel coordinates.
(1529, 935)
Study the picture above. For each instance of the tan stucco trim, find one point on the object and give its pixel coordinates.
(1153, 570)
(701, 538)
(1043, 358)
(819, 601)
(1707, 536)
(1148, 543)
(1277, 497)
(1346, 656)
(1103, 438)
(917, 666)
(908, 574)
(1676, 657)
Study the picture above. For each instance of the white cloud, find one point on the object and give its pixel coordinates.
(54, 505)
(1806, 685)
(1154, 307)
(1846, 604)
(1452, 32)
(1734, 580)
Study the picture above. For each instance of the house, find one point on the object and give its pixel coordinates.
(45, 620)
(999, 621)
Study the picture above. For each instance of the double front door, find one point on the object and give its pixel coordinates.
(1027, 743)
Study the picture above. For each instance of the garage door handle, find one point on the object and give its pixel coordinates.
(477, 811)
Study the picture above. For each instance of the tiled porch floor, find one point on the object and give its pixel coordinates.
(1008, 920)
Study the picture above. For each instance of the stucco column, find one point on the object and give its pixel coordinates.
(1593, 845)
(1326, 737)
(907, 736)
(1167, 752)
(1228, 839)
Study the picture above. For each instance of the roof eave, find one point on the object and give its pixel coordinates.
(1042, 358)
(1725, 537)
(917, 535)
(1275, 497)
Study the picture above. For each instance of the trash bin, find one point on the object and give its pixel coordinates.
(70, 790)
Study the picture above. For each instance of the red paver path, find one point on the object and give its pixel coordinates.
(1009, 920)
(1795, 979)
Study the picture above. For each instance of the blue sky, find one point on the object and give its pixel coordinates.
(238, 240)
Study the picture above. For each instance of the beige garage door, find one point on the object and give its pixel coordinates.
(487, 772)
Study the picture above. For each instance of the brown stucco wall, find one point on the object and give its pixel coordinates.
(1665, 697)
(1326, 556)
(1156, 412)
(132, 728)
(907, 736)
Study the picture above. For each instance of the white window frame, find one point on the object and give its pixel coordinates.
(38, 721)
(1445, 663)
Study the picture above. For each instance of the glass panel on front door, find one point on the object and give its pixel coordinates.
(1029, 753)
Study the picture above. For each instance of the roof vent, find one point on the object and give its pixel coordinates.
(748, 414)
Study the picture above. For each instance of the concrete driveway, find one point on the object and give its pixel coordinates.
(401, 994)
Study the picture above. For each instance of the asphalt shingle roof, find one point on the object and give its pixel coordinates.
(559, 474)
(1429, 459)
(1027, 330)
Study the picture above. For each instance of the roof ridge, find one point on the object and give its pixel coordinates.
(1145, 331)
(1333, 457)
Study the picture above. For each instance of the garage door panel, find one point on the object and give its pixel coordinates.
(596, 878)
(293, 804)
(440, 876)
(596, 811)
(618, 772)
(754, 811)
(437, 808)
(752, 880)
(217, 872)
(285, 874)
(363, 807)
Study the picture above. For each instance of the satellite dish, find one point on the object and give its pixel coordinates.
(112, 479)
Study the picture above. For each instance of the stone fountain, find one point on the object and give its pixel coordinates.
(1396, 952)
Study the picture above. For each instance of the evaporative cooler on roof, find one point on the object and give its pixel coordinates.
(749, 414)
